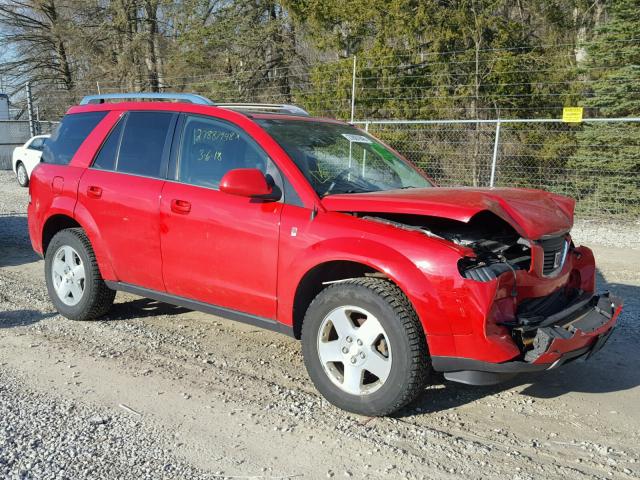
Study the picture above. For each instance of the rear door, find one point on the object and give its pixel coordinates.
(218, 248)
(122, 191)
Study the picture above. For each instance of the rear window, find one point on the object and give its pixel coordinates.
(69, 135)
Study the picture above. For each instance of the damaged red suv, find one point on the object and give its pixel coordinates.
(313, 228)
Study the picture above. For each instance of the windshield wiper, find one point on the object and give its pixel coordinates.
(351, 190)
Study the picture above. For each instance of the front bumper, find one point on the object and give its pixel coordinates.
(577, 331)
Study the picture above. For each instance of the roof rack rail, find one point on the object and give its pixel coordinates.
(195, 99)
(265, 107)
(180, 97)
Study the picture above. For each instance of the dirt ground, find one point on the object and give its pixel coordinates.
(221, 399)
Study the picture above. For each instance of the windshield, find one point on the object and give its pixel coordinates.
(339, 158)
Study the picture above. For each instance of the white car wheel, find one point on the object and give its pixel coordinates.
(21, 175)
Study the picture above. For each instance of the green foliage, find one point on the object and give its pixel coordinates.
(607, 163)
(459, 59)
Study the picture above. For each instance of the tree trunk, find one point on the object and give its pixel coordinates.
(151, 47)
(64, 67)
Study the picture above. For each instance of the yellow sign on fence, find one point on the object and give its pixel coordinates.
(572, 114)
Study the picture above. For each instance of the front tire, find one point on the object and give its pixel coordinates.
(74, 283)
(364, 347)
(21, 175)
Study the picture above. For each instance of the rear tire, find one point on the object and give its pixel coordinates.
(364, 347)
(74, 283)
(21, 175)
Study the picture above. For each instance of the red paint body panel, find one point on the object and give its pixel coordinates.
(46, 202)
(250, 255)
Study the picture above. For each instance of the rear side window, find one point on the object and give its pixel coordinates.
(65, 141)
(106, 159)
(142, 144)
(136, 145)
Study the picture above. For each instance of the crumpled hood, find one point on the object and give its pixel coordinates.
(532, 213)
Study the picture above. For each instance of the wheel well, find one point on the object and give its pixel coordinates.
(54, 224)
(313, 283)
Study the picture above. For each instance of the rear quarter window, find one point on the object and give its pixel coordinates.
(60, 148)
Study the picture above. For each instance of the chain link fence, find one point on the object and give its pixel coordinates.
(597, 161)
(14, 133)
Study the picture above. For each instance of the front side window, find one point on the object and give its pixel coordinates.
(338, 158)
(67, 138)
(210, 148)
(36, 144)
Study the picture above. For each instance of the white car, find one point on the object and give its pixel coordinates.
(26, 157)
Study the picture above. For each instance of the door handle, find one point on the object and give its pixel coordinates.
(94, 192)
(180, 206)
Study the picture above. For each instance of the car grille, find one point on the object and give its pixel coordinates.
(555, 250)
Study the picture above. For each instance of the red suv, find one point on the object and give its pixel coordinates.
(313, 228)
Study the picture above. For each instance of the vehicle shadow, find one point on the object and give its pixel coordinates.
(15, 245)
(141, 308)
(22, 318)
(614, 368)
(130, 310)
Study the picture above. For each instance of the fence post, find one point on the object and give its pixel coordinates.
(32, 125)
(496, 143)
(353, 90)
(364, 155)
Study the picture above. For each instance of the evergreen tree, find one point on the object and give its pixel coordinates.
(607, 162)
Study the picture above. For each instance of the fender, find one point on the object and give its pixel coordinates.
(421, 291)
(103, 257)
(59, 206)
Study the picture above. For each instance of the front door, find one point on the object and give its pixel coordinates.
(218, 248)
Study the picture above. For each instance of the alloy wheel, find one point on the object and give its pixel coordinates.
(354, 350)
(68, 275)
(22, 175)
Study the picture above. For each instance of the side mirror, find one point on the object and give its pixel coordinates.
(246, 182)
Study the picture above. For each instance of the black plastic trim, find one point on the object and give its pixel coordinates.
(456, 364)
(473, 377)
(475, 372)
(254, 320)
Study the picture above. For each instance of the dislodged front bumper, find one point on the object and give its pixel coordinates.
(577, 331)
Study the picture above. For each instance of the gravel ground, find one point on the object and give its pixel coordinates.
(154, 391)
(47, 437)
(610, 234)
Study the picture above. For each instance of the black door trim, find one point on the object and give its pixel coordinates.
(261, 322)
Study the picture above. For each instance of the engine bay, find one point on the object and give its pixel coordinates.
(497, 246)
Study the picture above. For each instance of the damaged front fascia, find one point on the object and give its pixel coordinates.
(576, 319)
